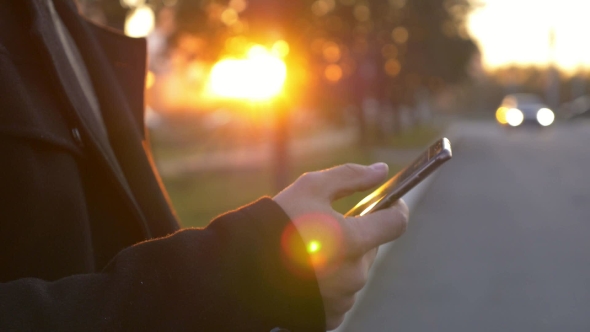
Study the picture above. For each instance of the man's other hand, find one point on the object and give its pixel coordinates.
(342, 250)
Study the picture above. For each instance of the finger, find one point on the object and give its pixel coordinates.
(369, 257)
(346, 179)
(377, 228)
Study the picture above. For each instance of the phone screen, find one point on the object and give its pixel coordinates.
(405, 180)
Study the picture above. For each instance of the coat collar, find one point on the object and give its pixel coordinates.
(124, 155)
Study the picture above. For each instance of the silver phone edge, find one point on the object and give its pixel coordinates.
(444, 155)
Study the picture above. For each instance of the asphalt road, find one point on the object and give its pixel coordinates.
(499, 242)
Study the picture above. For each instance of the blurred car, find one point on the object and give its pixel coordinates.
(524, 108)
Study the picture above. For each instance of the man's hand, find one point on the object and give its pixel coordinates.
(342, 249)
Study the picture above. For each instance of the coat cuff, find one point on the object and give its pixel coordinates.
(291, 288)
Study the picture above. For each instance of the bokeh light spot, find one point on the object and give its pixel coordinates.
(322, 7)
(362, 13)
(400, 35)
(331, 52)
(229, 16)
(333, 73)
(280, 48)
(238, 5)
(392, 67)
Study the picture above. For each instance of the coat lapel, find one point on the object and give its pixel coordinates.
(78, 105)
(125, 133)
(124, 154)
(43, 26)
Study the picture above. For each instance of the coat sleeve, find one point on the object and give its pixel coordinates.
(237, 274)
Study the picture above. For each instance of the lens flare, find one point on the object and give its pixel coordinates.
(323, 247)
(314, 246)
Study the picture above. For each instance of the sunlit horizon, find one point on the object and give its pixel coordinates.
(518, 32)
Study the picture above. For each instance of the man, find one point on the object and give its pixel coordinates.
(87, 238)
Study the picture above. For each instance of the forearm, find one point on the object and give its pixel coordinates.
(228, 276)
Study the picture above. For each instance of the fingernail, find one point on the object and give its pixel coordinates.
(380, 167)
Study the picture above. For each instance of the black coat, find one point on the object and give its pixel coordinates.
(87, 238)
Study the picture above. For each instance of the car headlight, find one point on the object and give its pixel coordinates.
(514, 117)
(501, 115)
(545, 117)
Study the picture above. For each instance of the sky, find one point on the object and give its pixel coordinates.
(518, 32)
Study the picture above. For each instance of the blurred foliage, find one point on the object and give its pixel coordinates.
(344, 52)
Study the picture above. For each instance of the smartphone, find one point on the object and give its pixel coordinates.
(406, 179)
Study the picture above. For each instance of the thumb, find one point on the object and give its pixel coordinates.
(379, 227)
(343, 180)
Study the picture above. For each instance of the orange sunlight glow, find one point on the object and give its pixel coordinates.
(259, 76)
(522, 32)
